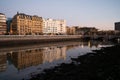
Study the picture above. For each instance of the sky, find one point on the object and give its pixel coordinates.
(101, 14)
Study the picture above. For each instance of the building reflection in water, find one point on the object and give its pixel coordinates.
(26, 58)
(3, 63)
(89, 44)
(33, 57)
(20, 62)
(54, 53)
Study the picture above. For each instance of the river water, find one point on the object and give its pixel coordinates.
(17, 63)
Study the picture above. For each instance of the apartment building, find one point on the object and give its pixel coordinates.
(23, 24)
(53, 26)
(3, 26)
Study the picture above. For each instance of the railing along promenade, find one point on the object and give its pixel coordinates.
(49, 37)
(12, 40)
(37, 37)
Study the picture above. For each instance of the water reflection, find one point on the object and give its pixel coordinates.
(17, 62)
(26, 58)
(54, 53)
(3, 63)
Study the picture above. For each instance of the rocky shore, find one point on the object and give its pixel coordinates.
(103, 64)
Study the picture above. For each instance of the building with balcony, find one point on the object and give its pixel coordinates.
(3, 26)
(23, 24)
(53, 26)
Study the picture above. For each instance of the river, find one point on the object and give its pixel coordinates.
(17, 63)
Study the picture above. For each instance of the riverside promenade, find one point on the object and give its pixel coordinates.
(12, 40)
(40, 37)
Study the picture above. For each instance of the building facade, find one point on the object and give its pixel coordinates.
(76, 30)
(86, 31)
(23, 24)
(3, 26)
(117, 26)
(72, 30)
(52, 26)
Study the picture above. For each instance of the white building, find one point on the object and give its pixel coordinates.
(3, 27)
(52, 26)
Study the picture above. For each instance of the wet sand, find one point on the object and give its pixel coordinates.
(103, 64)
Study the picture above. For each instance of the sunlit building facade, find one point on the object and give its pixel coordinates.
(53, 26)
(3, 26)
(23, 24)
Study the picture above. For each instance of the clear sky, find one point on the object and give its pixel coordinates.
(92, 13)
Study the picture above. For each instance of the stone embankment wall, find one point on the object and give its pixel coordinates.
(11, 40)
